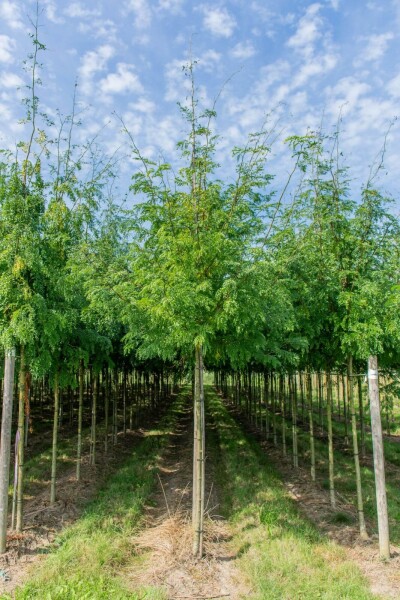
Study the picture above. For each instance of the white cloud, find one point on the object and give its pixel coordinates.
(11, 14)
(94, 62)
(142, 12)
(345, 95)
(320, 64)
(218, 21)
(51, 11)
(172, 6)
(393, 87)
(177, 85)
(76, 10)
(10, 80)
(143, 105)
(100, 28)
(308, 31)
(7, 47)
(124, 80)
(243, 50)
(376, 46)
(209, 60)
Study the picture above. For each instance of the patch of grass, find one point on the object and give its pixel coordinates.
(88, 556)
(286, 557)
(341, 518)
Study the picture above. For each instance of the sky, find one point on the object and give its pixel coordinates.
(303, 63)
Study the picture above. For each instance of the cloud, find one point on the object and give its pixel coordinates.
(172, 6)
(10, 80)
(76, 10)
(243, 50)
(345, 95)
(319, 65)
(94, 62)
(122, 81)
(100, 28)
(218, 21)
(51, 11)
(7, 47)
(209, 60)
(308, 31)
(11, 14)
(142, 13)
(393, 87)
(376, 46)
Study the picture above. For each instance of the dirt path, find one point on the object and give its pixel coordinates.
(314, 502)
(42, 522)
(167, 540)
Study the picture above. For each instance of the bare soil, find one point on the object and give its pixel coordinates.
(314, 502)
(43, 523)
(166, 541)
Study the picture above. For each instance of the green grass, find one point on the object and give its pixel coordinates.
(283, 555)
(87, 557)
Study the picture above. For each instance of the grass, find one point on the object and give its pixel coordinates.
(87, 557)
(283, 554)
(344, 467)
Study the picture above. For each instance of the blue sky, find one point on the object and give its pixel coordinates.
(301, 61)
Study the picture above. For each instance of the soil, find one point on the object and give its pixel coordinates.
(167, 540)
(43, 523)
(314, 502)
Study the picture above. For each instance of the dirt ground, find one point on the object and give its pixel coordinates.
(314, 502)
(167, 540)
(42, 522)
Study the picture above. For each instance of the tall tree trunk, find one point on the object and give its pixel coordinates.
(55, 432)
(80, 413)
(362, 419)
(198, 455)
(311, 424)
(350, 395)
(106, 409)
(21, 437)
(6, 422)
(379, 460)
(282, 398)
(93, 425)
(293, 394)
(330, 439)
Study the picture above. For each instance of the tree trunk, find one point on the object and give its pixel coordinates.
(93, 425)
(379, 460)
(6, 422)
(311, 424)
(80, 412)
(198, 456)
(350, 395)
(21, 437)
(106, 409)
(54, 449)
(330, 440)
(293, 395)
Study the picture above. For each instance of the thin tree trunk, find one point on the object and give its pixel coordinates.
(330, 440)
(350, 395)
(311, 425)
(282, 398)
(5, 448)
(80, 413)
(106, 409)
(292, 391)
(21, 436)
(54, 449)
(362, 419)
(93, 427)
(198, 456)
(379, 460)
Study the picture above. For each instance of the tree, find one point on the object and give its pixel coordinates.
(195, 268)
